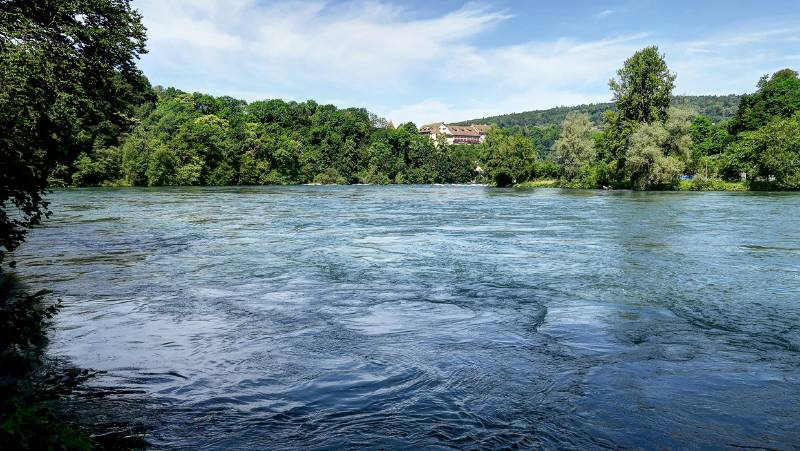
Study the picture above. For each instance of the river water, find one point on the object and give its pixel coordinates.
(433, 316)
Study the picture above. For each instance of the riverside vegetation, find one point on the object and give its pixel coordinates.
(75, 111)
(68, 82)
(648, 140)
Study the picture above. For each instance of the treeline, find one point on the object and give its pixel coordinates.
(646, 139)
(197, 139)
(647, 142)
(717, 108)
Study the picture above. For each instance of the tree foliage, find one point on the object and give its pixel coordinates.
(643, 87)
(778, 95)
(198, 139)
(69, 83)
(574, 150)
(657, 153)
(717, 107)
(509, 158)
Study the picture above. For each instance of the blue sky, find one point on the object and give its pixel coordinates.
(448, 60)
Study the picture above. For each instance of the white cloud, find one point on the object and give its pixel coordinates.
(419, 68)
(604, 13)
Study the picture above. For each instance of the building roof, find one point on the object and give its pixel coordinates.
(428, 128)
(455, 130)
(462, 130)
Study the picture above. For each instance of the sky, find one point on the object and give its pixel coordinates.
(446, 60)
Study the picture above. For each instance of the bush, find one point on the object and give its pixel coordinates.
(330, 177)
(372, 177)
(547, 169)
(701, 183)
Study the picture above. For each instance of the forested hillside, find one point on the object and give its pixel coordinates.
(717, 108)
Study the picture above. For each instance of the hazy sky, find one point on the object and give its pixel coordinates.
(433, 60)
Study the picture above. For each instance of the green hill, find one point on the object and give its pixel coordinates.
(718, 108)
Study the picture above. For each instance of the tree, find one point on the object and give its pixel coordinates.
(67, 70)
(772, 150)
(642, 95)
(778, 95)
(643, 87)
(707, 138)
(645, 160)
(208, 138)
(657, 153)
(780, 156)
(575, 148)
(678, 125)
(161, 167)
(509, 158)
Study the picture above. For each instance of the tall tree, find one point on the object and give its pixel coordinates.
(67, 69)
(575, 148)
(643, 87)
(642, 94)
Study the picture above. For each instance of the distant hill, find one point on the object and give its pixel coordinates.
(718, 108)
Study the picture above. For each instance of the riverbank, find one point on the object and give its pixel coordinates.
(682, 185)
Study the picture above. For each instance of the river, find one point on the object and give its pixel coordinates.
(432, 316)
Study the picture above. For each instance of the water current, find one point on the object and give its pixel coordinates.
(432, 316)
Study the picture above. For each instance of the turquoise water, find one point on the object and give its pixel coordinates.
(432, 316)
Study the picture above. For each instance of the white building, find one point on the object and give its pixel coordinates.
(456, 134)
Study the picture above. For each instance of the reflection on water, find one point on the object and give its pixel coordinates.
(397, 317)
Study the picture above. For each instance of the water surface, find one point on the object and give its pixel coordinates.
(433, 317)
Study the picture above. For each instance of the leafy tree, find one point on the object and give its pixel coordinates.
(657, 153)
(678, 124)
(707, 138)
(779, 143)
(136, 152)
(509, 158)
(189, 173)
(778, 95)
(208, 138)
(162, 166)
(643, 87)
(642, 95)
(645, 160)
(575, 148)
(772, 150)
(67, 73)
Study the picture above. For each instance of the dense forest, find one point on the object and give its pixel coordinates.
(197, 139)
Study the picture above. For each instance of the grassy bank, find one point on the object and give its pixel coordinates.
(697, 184)
(543, 183)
